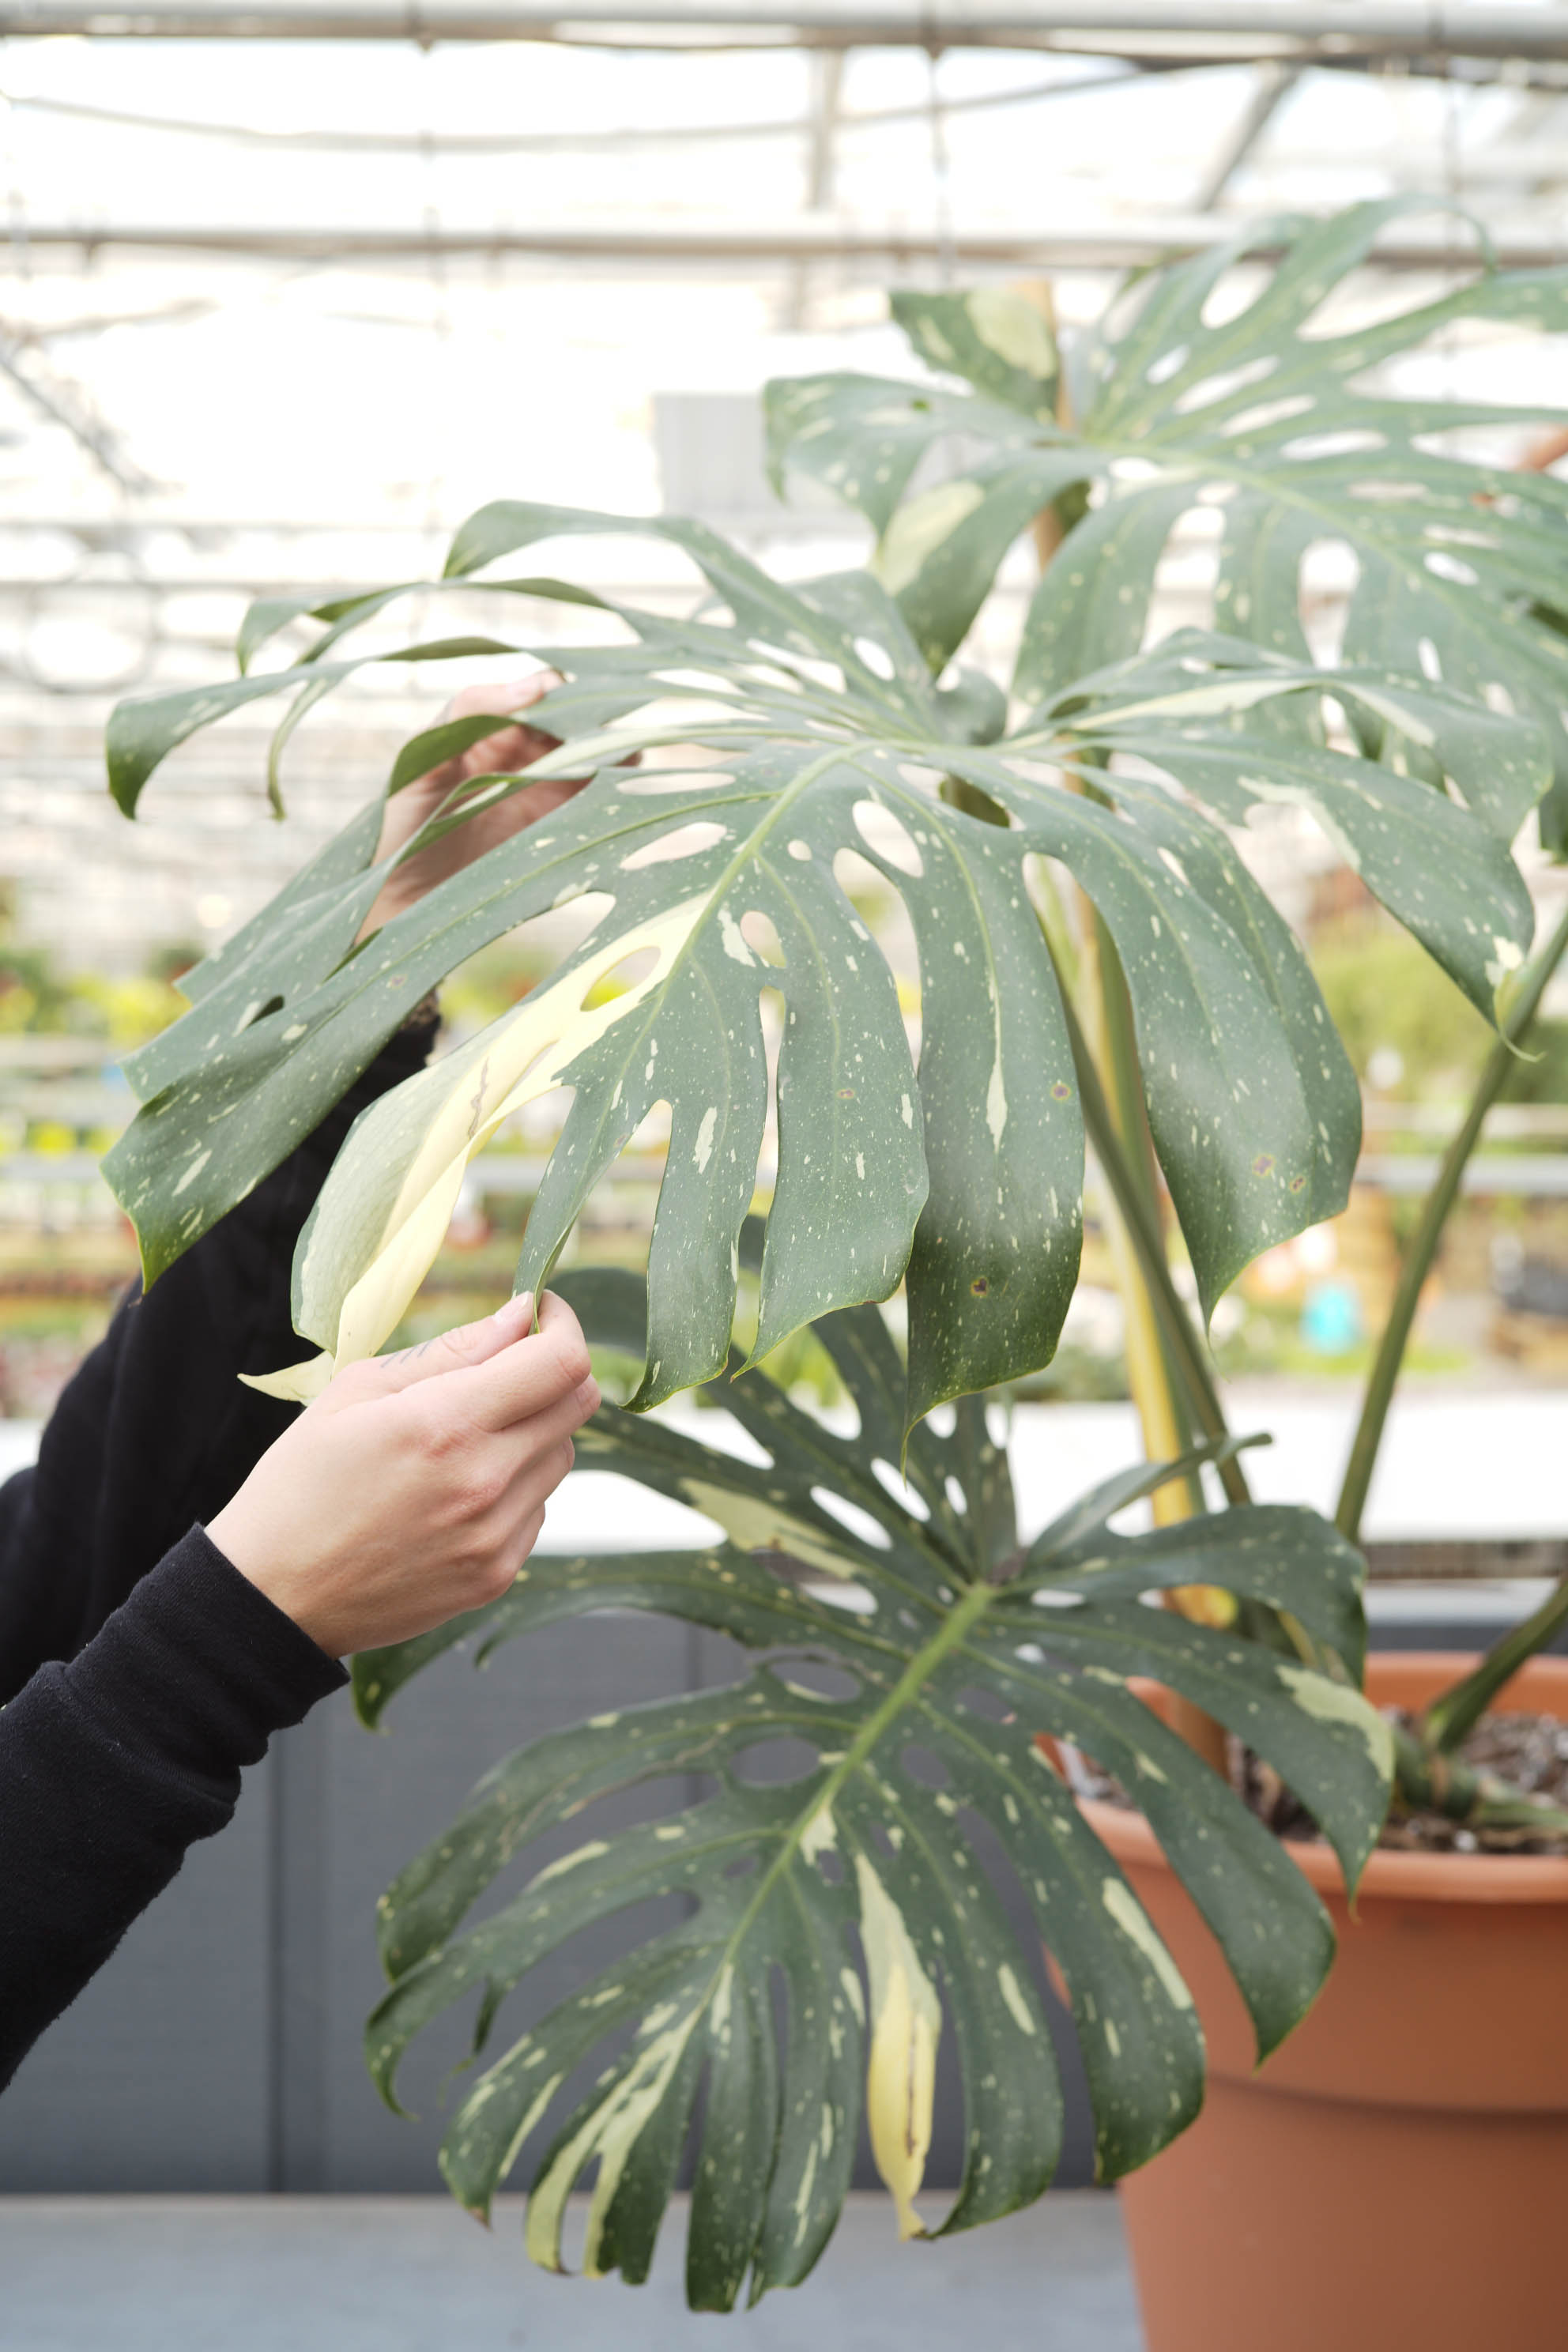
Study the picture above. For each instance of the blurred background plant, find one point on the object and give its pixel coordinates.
(136, 533)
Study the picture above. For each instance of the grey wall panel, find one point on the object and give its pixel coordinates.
(157, 2078)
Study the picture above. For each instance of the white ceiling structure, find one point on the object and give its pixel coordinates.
(286, 289)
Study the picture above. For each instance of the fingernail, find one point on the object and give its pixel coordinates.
(520, 1308)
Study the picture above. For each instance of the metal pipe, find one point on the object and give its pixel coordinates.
(1224, 28)
(615, 140)
(1273, 85)
(1119, 245)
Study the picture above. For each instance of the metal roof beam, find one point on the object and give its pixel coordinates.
(1116, 245)
(1271, 87)
(1322, 30)
(63, 401)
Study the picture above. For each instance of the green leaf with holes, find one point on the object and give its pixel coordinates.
(950, 1650)
(965, 1179)
(1281, 435)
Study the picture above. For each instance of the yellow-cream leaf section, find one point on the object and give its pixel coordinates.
(610, 2133)
(457, 1106)
(906, 2025)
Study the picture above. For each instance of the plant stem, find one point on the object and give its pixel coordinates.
(1449, 1720)
(1183, 1344)
(1109, 1056)
(1429, 1780)
(1423, 1247)
(1157, 1391)
(1118, 1129)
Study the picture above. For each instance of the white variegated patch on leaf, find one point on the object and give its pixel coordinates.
(816, 730)
(1286, 436)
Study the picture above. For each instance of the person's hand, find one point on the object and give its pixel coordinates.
(415, 1487)
(502, 753)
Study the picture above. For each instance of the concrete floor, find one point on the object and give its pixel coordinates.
(414, 2275)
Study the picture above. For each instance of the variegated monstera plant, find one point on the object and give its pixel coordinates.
(793, 724)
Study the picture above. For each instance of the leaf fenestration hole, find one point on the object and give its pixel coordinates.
(779, 654)
(760, 934)
(886, 838)
(772, 1763)
(686, 841)
(1231, 294)
(876, 659)
(696, 681)
(1305, 446)
(1266, 413)
(620, 978)
(1444, 566)
(816, 1679)
(853, 1599)
(652, 778)
(1219, 386)
(1161, 370)
(900, 1490)
(925, 1766)
(919, 778)
(849, 1514)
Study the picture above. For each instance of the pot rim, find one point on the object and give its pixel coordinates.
(1485, 1878)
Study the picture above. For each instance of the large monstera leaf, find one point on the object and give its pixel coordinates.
(791, 725)
(1259, 417)
(954, 1650)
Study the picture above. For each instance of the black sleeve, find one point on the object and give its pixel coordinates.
(111, 1766)
(156, 1432)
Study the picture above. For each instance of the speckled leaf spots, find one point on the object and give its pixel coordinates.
(913, 1686)
(1194, 709)
(1226, 1101)
(930, 1921)
(688, 1031)
(143, 730)
(384, 1209)
(851, 1175)
(996, 1252)
(1276, 430)
(1084, 611)
(705, 1021)
(1203, 856)
(995, 339)
(864, 436)
(285, 1025)
(939, 552)
(802, 709)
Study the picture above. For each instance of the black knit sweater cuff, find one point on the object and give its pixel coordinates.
(197, 1669)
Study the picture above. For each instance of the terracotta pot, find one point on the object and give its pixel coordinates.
(1397, 2172)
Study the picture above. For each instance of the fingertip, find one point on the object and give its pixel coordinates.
(516, 1318)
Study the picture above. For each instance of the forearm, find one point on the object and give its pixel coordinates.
(112, 1766)
(156, 1430)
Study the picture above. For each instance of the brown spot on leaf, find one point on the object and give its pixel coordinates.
(1264, 1164)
